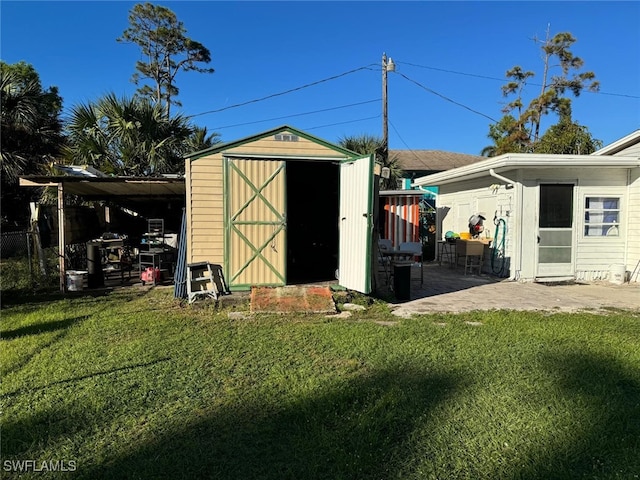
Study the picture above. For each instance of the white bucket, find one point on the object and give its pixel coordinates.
(617, 273)
(75, 280)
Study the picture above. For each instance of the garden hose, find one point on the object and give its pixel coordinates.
(497, 254)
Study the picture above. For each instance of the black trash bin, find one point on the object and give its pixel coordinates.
(402, 280)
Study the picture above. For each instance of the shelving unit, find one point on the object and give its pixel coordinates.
(154, 252)
(153, 240)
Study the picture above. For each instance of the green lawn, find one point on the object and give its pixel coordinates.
(134, 385)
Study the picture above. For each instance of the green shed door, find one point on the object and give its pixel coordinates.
(256, 222)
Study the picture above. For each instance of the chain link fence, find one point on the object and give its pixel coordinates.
(24, 266)
(16, 244)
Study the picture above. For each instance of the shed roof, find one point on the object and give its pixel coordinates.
(528, 161)
(221, 147)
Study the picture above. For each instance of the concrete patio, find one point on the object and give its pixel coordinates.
(448, 289)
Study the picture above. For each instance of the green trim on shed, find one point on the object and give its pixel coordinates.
(226, 220)
(220, 147)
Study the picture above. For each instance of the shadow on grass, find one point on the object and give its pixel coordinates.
(35, 350)
(608, 445)
(41, 328)
(58, 329)
(357, 429)
(39, 429)
(10, 298)
(126, 368)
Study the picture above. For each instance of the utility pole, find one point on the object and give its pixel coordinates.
(387, 66)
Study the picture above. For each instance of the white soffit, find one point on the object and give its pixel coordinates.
(528, 161)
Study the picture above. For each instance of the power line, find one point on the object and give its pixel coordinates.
(297, 114)
(504, 79)
(451, 71)
(405, 143)
(446, 98)
(401, 139)
(343, 123)
(367, 67)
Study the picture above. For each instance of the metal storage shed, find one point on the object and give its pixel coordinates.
(282, 207)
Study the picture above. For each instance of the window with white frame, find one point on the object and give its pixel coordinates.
(602, 217)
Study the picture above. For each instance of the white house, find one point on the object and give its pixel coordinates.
(557, 217)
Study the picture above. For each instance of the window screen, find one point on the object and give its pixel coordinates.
(602, 216)
(556, 206)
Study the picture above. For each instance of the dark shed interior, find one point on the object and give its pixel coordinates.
(313, 203)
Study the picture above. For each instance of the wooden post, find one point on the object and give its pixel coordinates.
(37, 240)
(61, 238)
(107, 218)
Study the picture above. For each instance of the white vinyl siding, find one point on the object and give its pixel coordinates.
(632, 151)
(596, 254)
(633, 224)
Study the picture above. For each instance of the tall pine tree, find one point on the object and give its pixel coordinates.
(167, 51)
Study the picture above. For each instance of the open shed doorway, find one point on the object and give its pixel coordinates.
(313, 203)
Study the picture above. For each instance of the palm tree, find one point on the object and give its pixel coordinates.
(127, 136)
(30, 125)
(366, 144)
(31, 136)
(201, 139)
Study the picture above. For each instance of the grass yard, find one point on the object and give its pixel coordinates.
(134, 385)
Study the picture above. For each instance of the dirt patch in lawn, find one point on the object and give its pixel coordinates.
(292, 299)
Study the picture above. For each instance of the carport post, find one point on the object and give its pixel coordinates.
(61, 239)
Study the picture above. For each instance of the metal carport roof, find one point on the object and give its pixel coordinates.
(106, 188)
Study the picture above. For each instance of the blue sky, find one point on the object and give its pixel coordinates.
(453, 56)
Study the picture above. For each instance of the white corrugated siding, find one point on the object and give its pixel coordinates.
(355, 224)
